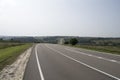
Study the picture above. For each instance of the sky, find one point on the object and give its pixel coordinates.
(86, 18)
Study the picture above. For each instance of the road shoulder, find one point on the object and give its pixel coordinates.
(16, 70)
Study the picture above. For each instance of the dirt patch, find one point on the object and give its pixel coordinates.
(16, 70)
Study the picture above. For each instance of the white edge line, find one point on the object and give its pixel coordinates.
(38, 63)
(85, 64)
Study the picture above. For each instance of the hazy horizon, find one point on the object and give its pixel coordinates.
(84, 18)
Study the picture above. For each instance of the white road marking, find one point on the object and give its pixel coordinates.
(101, 52)
(38, 63)
(100, 57)
(85, 64)
(89, 55)
(111, 60)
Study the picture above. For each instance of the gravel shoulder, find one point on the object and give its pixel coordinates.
(16, 70)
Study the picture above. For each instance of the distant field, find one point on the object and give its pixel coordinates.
(8, 44)
(109, 49)
(9, 53)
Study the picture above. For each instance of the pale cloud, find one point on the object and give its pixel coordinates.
(60, 17)
(7, 3)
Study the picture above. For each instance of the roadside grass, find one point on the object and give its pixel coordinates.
(10, 54)
(108, 49)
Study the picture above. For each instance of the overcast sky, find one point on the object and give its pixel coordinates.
(96, 18)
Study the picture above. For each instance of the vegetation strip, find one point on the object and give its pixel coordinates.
(16, 70)
(10, 54)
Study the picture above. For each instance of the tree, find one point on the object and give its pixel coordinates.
(73, 41)
(1, 39)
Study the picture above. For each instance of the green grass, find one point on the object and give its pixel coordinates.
(108, 49)
(10, 54)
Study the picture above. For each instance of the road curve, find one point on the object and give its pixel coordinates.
(57, 62)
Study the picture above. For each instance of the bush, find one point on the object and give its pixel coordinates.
(73, 41)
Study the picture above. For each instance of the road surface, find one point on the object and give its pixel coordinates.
(57, 62)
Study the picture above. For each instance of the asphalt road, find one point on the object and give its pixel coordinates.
(57, 62)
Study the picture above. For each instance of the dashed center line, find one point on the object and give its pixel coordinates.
(89, 55)
(100, 57)
(111, 60)
(107, 74)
